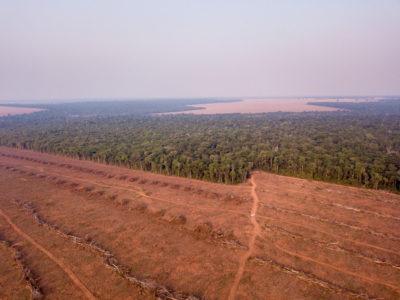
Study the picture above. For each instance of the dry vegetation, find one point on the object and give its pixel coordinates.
(78, 230)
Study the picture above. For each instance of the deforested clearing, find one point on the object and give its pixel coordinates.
(89, 230)
(9, 110)
(256, 106)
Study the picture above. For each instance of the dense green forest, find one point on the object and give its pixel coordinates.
(348, 147)
(391, 106)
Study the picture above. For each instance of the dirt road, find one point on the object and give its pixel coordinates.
(67, 270)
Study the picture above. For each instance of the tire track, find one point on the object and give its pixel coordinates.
(69, 273)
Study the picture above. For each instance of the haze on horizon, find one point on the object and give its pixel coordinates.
(180, 48)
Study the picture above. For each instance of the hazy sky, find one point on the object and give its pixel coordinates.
(197, 48)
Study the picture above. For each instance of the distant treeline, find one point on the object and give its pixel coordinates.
(342, 147)
(391, 106)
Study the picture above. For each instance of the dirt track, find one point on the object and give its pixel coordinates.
(70, 274)
(273, 237)
(256, 232)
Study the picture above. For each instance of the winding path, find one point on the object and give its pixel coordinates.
(256, 231)
(70, 274)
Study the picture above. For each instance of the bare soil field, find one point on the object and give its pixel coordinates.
(253, 106)
(9, 110)
(74, 229)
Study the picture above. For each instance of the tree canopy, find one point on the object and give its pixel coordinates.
(361, 149)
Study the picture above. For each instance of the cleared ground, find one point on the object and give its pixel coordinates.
(8, 110)
(87, 230)
(253, 106)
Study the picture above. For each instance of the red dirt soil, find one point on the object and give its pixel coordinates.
(91, 230)
(12, 285)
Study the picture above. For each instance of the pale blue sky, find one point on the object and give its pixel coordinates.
(186, 48)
